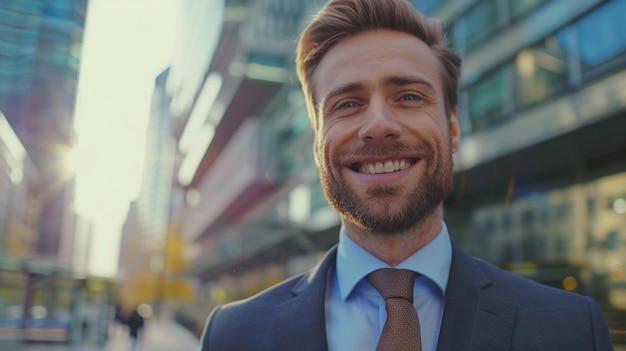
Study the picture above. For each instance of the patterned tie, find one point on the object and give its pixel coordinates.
(402, 329)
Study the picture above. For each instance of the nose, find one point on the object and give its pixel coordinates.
(379, 123)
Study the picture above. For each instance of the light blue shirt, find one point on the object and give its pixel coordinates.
(355, 311)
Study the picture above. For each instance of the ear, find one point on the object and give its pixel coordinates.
(455, 129)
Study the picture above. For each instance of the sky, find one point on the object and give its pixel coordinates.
(126, 44)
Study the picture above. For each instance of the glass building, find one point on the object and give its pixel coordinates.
(40, 46)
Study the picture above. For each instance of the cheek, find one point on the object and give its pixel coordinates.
(321, 152)
(326, 146)
(437, 126)
(339, 133)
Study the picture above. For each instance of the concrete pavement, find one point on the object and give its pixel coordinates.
(160, 334)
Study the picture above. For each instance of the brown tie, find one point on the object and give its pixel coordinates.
(402, 328)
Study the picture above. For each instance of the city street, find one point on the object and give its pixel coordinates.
(159, 158)
(160, 334)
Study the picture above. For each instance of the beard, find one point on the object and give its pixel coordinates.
(383, 208)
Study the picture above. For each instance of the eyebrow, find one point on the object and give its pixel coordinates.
(389, 81)
(343, 89)
(408, 80)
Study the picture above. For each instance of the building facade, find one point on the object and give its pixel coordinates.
(151, 257)
(39, 64)
(40, 47)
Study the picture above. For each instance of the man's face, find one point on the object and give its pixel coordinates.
(383, 143)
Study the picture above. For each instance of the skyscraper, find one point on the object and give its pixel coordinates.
(40, 45)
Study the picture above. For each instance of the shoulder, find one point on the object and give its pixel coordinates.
(525, 290)
(540, 307)
(256, 306)
(549, 315)
(256, 316)
(224, 326)
(505, 286)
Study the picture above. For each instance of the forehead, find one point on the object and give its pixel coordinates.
(371, 57)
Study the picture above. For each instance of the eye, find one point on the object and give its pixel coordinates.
(411, 97)
(344, 107)
(346, 104)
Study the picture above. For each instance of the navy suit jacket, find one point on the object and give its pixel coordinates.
(486, 308)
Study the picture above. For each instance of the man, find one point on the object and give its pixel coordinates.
(381, 92)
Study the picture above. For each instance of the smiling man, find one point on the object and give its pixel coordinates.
(384, 140)
(381, 92)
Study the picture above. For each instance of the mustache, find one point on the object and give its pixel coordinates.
(386, 150)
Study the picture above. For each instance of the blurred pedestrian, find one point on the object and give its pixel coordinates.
(135, 324)
(381, 91)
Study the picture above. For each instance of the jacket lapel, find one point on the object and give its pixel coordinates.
(475, 316)
(300, 322)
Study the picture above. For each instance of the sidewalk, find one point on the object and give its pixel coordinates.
(160, 334)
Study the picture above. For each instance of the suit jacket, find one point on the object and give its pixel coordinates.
(486, 308)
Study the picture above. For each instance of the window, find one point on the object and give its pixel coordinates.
(486, 101)
(428, 6)
(480, 22)
(541, 71)
(521, 8)
(601, 35)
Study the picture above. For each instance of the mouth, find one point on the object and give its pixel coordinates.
(383, 167)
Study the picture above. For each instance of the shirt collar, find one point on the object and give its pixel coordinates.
(354, 262)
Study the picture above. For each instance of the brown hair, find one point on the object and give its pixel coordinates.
(339, 19)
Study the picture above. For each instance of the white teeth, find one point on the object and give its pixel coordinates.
(387, 167)
(380, 168)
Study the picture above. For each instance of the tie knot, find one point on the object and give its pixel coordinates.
(393, 282)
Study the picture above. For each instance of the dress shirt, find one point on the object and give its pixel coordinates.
(355, 311)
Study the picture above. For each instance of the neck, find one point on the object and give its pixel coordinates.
(393, 248)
